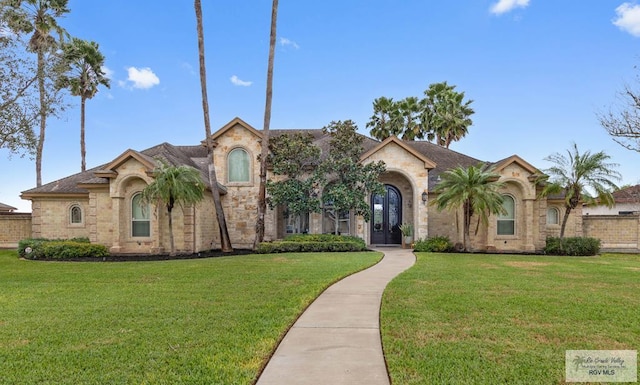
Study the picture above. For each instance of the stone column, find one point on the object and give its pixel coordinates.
(117, 222)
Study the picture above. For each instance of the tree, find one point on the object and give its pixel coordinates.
(623, 121)
(264, 146)
(349, 183)
(18, 102)
(82, 75)
(573, 174)
(446, 114)
(173, 185)
(294, 157)
(38, 18)
(475, 190)
(442, 115)
(386, 119)
(225, 242)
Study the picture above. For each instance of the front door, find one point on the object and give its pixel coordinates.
(386, 217)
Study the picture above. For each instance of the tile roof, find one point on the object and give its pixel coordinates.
(196, 156)
(629, 194)
(6, 208)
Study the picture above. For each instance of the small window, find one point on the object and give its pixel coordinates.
(553, 216)
(76, 215)
(506, 221)
(296, 224)
(238, 166)
(140, 224)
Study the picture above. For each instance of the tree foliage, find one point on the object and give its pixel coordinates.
(18, 99)
(181, 185)
(349, 183)
(293, 157)
(82, 74)
(574, 173)
(622, 121)
(475, 190)
(442, 116)
(38, 19)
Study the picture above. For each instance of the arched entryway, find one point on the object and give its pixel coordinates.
(386, 217)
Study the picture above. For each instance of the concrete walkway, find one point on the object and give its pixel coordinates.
(337, 339)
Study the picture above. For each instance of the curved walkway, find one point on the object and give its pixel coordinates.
(337, 339)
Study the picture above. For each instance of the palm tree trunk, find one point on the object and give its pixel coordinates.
(264, 147)
(43, 118)
(225, 242)
(171, 242)
(564, 221)
(83, 150)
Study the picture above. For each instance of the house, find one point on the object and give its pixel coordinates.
(6, 208)
(104, 203)
(626, 202)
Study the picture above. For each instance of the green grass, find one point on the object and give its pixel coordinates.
(498, 319)
(205, 321)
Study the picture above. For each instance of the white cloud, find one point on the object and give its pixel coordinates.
(285, 41)
(504, 6)
(235, 80)
(628, 18)
(141, 78)
(108, 72)
(188, 67)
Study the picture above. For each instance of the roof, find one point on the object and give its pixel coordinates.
(6, 208)
(629, 194)
(438, 159)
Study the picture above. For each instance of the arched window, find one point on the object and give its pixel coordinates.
(140, 224)
(238, 166)
(507, 221)
(553, 216)
(75, 215)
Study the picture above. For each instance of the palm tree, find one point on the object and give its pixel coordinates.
(264, 146)
(474, 189)
(225, 242)
(574, 173)
(84, 74)
(38, 17)
(447, 114)
(174, 185)
(386, 119)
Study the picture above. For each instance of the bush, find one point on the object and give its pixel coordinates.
(438, 244)
(313, 243)
(41, 248)
(573, 246)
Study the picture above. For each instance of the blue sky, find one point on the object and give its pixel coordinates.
(538, 72)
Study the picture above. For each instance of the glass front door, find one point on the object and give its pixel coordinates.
(386, 217)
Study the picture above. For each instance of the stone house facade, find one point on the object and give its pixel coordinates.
(103, 203)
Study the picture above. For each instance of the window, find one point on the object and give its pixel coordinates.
(296, 224)
(506, 221)
(75, 213)
(238, 166)
(331, 221)
(553, 216)
(140, 224)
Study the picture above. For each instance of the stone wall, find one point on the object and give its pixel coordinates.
(618, 233)
(13, 228)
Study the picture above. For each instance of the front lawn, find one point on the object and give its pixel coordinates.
(497, 319)
(202, 321)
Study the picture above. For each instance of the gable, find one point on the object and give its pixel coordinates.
(516, 167)
(236, 123)
(126, 160)
(395, 152)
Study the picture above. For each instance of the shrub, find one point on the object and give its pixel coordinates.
(313, 243)
(40, 248)
(573, 246)
(438, 244)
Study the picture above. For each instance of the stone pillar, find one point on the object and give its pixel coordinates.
(529, 244)
(118, 207)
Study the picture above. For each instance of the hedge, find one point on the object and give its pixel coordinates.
(313, 243)
(438, 244)
(572, 246)
(41, 248)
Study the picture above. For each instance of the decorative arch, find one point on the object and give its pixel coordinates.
(76, 214)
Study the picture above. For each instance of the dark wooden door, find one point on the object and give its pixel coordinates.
(386, 217)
